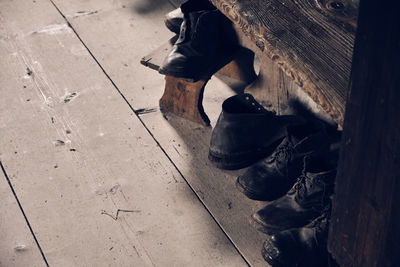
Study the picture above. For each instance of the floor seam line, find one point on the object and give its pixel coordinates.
(23, 212)
(149, 132)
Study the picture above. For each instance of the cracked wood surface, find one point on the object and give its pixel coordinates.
(81, 160)
(119, 37)
(310, 40)
(17, 246)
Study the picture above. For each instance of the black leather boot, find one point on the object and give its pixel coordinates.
(273, 176)
(174, 19)
(245, 132)
(306, 199)
(201, 48)
(301, 247)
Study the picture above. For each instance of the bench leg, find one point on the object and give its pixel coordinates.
(184, 99)
(241, 68)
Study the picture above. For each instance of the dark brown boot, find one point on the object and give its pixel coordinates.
(300, 247)
(201, 48)
(174, 19)
(306, 199)
(273, 176)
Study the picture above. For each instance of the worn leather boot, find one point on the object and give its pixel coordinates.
(305, 200)
(273, 176)
(200, 49)
(245, 132)
(174, 19)
(300, 247)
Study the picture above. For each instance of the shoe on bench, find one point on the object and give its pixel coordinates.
(197, 53)
(174, 19)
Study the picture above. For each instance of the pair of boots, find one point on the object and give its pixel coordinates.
(298, 221)
(293, 168)
(205, 39)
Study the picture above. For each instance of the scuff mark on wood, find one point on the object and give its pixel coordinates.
(53, 29)
(142, 111)
(82, 13)
(117, 214)
(59, 143)
(69, 97)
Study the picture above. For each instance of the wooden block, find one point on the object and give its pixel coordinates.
(184, 99)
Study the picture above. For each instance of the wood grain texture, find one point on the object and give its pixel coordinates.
(184, 99)
(277, 92)
(97, 188)
(311, 41)
(17, 246)
(365, 225)
(185, 143)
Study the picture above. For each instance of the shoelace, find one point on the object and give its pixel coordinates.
(299, 188)
(283, 152)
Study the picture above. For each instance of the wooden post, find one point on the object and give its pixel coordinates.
(365, 225)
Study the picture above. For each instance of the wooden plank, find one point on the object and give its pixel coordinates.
(185, 143)
(365, 228)
(278, 92)
(92, 180)
(17, 246)
(311, 41)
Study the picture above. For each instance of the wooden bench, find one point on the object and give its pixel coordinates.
(305, 50)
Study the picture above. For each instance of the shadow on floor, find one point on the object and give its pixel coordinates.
(150, 6)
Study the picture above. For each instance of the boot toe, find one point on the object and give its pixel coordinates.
(258, 221)
(271, 252)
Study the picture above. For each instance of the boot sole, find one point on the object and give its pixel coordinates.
(183, 76)
(227, 162)
(271, 261)
(265, 228)
(230, 162)
(249, 193)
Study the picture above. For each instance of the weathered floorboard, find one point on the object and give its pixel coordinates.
(17, 246)
(96, 187)
(311, 41)
(185, 143)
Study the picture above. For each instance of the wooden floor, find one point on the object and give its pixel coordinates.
(92, 174)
